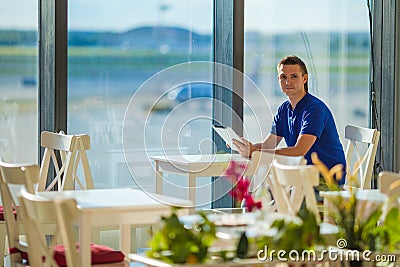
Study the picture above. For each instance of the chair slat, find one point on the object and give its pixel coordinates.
(359, 134)
(360, 163)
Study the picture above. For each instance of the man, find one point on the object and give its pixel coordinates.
(304, 121)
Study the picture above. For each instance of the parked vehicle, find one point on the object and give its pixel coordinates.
(193, 90)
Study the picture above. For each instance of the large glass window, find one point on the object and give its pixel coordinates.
(115, 52)
(18, 81)
(331, 36)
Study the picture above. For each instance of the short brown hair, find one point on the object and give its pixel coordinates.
(295, 60)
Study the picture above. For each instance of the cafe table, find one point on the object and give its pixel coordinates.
(373, 195)
(195, 166)
(230, 227)
(124, 207)
(371, 198)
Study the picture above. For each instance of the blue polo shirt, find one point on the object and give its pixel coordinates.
(311, 116)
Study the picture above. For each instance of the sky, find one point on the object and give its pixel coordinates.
(266, 16)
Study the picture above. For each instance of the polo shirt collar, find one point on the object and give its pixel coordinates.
(302, 102)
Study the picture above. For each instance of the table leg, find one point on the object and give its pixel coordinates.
(125, 238)
(159, 178)
(192, 191)
(84, 239)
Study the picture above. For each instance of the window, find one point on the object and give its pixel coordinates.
(18, 81)
(115, 50)
(332, 38)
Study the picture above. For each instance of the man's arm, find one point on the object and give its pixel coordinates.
(302, 146)
(246, 148)
(270, 142)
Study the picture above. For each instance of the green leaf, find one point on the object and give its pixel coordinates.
(172, 242)
(243, 246)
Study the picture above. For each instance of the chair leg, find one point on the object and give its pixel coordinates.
(2, 242)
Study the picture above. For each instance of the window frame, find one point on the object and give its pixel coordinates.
(53, 67)
(385, 83)
(228, 50)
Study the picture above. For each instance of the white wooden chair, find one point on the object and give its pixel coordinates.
(66, 211)
(13, 178)
(291, 181)
(301, 180)
(364, 143)
(261, 181)
(71, 149)
(37, 210)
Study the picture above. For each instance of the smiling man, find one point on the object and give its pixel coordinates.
(303, 121)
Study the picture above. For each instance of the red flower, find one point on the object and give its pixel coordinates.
(251, 204)
(235, 171)
(240, 191)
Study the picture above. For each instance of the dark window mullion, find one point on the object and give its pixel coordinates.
(53, 44)
(385, 81)
(228, 50)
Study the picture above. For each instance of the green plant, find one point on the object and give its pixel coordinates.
(293, 235)
(175, 243)
(374, 231)
(384, 236)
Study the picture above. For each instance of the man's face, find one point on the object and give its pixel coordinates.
(292, 80)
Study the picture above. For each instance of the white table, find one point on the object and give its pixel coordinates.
(195, 166)
(373, 196)
(126, 207)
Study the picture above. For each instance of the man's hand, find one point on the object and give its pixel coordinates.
(244, 147)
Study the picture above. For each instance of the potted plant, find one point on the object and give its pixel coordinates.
(172, 242)
(362, 227)
(290, 235)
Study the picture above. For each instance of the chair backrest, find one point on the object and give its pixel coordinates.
(301, 181)
(62, 211)
(262, 181)
(262, 162)
(71, 149)
(13, 178)
(37, 212)
(362, 164)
